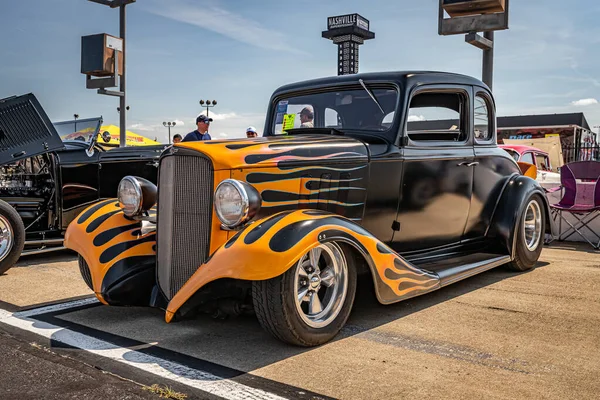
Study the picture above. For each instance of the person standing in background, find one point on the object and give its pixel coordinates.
(251, 132)
(201, 133)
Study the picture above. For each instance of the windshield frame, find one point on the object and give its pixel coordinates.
(388, 135)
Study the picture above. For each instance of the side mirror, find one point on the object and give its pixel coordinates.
(106, 136)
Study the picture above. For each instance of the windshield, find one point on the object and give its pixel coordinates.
(343, 110)
(83, 129)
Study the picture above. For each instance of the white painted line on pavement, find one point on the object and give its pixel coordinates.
(195, 378)
(56, 307)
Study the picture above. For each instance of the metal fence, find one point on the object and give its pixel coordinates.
(581, 152)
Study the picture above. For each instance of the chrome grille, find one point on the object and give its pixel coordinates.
(185, 191)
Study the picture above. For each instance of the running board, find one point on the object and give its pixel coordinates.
(454, 274)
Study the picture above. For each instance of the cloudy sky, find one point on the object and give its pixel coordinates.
(238, 52)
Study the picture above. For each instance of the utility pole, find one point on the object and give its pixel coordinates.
(470, 17)
(209, 104)
(101, 86)
(123, 99)
(169, 125)
(488, 60)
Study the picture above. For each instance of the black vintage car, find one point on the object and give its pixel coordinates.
(45, 181)
(344, 185)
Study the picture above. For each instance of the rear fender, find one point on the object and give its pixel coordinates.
(269, 247)
(120, 259)
(510, 208)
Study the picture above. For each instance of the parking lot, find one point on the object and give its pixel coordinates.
(495, 335)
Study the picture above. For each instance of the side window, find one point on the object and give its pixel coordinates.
(437, 117)
(331, 118)
(528, 158)
(543, 163)
(482, 116)
(388, 119)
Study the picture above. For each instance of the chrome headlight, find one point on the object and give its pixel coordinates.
(136, 195)
(236, 202)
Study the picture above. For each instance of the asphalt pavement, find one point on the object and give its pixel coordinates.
(31, 371)
(496, 335)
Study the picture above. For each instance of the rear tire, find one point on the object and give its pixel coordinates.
(12, 236)
(529, 235)
(308, 304)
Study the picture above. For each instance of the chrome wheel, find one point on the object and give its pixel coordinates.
(6, 237)
(321, 282)
(532, 225)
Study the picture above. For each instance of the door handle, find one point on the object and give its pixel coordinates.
(472, 164)
(461, 164)
(468, 164)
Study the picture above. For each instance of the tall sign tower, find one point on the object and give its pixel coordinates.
(348, 32)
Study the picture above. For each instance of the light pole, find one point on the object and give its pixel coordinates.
(169, 125)
(75, 116)
(122, 94)
(208, 104)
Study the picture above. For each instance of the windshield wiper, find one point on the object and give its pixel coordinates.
(371, 95)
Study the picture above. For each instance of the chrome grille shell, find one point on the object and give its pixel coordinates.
(185, 196)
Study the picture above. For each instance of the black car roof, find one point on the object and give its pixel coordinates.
(400, 77)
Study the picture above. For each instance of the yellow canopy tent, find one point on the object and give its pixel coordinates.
(133, 139)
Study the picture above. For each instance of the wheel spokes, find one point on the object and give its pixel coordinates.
(315, 255)
(327, 277)
(302, 272)
(302, 293)
(314, 306)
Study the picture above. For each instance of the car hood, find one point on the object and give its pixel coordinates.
(279, 151)
(25, 129)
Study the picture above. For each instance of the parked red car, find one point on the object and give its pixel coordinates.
(537, 157)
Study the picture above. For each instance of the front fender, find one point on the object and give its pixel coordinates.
(510, 207)
(120, 259)
(269, 247)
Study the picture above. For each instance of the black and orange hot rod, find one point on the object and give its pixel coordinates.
(394, 177)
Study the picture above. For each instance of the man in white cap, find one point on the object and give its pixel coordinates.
(251, 132)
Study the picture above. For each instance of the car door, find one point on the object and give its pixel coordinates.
(78, 180)
(437, 175)
(492, 168)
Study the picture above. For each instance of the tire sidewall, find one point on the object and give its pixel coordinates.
(18, 229)
(309, 334)
(527, 257)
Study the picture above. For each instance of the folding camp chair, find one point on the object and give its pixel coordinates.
(581, 198)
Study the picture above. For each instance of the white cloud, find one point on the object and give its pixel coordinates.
(584, 102)
(413, 118)
(223, 135)
(141, 127)
(219, 117)
(210, 17)
(179, 122)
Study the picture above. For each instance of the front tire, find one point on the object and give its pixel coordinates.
(12, 236)
(529, 235)
(309, 303)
